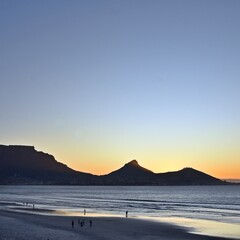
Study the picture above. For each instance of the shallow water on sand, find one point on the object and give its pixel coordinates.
(206, 227)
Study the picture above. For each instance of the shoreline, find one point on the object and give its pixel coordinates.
(24, 225)
(206, 227)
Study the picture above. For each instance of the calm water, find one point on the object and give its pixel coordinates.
(219, 204)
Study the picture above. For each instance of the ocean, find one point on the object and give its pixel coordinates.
(212, 210)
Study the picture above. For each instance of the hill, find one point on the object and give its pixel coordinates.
(25, 165)
(187, 176)
(130, 174)
(133, 174)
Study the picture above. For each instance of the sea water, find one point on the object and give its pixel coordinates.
(212, 210)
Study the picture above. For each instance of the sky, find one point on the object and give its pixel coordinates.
(99, 83)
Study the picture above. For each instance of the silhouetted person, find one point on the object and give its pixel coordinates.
(33, 206)
(84, 212)
(72, 224)
(90, 222)
(126, 214)
(82, 223)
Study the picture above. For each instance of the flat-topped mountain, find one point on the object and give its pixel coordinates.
(26, 158)
(25, 165)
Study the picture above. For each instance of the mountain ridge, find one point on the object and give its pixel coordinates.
(24, 165)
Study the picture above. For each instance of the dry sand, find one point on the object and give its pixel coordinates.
(27, 226)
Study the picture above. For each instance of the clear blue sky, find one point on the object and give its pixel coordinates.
(98, 83)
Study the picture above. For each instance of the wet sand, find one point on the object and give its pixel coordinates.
(23, 226)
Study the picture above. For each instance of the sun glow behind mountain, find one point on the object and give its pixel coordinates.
(100, 84)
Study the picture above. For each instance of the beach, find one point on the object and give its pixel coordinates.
(31, 225)
(41, 212)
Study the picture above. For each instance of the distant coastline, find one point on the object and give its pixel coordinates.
(231, 180)
(24, 165)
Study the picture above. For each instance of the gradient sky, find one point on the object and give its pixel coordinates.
(99, 83)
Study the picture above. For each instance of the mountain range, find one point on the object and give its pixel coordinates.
(25, 165)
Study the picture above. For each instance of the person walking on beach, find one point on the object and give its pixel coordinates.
(126, 214)
(72, 224)
(84, 212)
(90, 222)
(82, 223)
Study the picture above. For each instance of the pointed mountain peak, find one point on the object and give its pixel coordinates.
(132, 173)
(133, 163)
(133, 166)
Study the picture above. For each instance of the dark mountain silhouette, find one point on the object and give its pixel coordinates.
(25, 165)
(133, 174)
(131, 170)
(26, 158)
(187, 176)
(130, 174)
